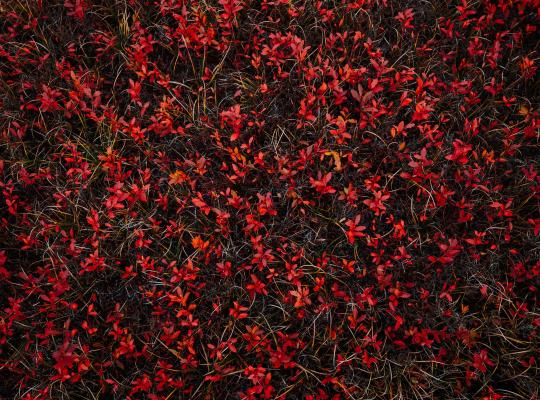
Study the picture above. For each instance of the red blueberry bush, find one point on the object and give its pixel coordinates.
(272, 199)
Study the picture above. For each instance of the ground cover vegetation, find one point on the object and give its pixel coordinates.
(275, 199)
